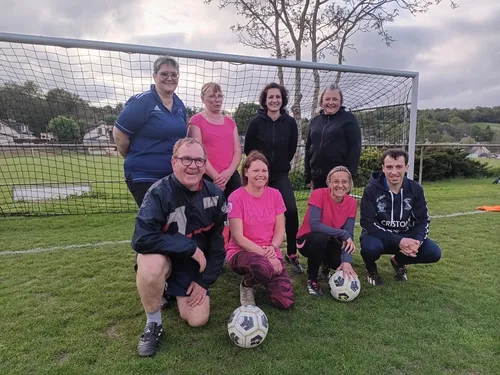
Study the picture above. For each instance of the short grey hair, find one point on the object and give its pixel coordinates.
(331, 87)
(165, 60)
(187, 141)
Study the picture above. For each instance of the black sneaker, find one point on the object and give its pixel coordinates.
(399, 271)
(149, 340)
(314, 289)
(374, 278)
(294, 261)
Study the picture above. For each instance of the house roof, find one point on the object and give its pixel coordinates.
(17, 126)
(480, 150)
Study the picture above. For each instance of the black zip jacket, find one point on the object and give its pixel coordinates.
(174, 221)
(332, 140)
(277, 140)
(387, 215)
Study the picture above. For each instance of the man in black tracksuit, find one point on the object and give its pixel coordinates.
(394, 219)
(332, 140)
(178, 239)
(277, 139)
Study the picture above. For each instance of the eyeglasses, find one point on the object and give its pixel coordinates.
(187, 161)
(214, 97)
(169, 75)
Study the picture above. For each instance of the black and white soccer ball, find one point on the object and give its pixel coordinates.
(342, 289)
(247, 326)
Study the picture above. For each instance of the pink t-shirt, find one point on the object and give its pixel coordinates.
(257, 214)
(333, 214)
(217, 139)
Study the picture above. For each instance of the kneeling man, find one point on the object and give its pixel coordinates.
(394, 219)
(178, 238)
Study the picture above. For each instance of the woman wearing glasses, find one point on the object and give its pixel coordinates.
(219, 135)
(148, 127)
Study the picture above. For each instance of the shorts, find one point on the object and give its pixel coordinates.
(184, 272)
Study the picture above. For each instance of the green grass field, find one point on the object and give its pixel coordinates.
(103, 173)
(493, 162)
(76, 310)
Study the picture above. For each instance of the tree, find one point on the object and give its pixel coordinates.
(110, 119)
(64, 129)
(243, 114)
(191, 111)
(285, 26)
(64, 103)
(25, 104)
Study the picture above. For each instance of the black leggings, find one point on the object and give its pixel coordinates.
(138, 190)
(319, 248)
(282, 183)
(233, 183)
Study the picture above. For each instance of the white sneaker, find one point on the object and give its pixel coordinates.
(246, 295)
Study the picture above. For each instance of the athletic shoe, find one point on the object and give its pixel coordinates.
(149, 339)
(314, 289)
(399, 271)
(246, 295)
(374, 278)
(294, 261)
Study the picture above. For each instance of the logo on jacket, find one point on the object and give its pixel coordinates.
(408, 206)
(381, 206)
(224, 208)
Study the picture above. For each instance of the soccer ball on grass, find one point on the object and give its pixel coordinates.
(247, 326)
(343, 289)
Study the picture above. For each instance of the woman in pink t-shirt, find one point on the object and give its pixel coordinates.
(219, 135)
(326, 235)
(257, 222)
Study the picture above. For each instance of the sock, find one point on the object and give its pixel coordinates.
(154, 317)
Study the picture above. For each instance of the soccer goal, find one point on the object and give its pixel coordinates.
(82, 86)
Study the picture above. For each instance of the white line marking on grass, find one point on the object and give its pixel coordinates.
(458, 214)
(78, 246)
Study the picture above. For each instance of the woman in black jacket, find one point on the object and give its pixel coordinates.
(274, 133)
(333, 139)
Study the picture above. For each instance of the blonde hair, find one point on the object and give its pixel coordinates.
(340, 168)
(210, 87)
(331, 87)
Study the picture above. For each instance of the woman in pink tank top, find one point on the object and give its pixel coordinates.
(219, 134)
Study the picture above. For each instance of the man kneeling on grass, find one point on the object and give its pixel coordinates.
(394, 219)
(178, 238)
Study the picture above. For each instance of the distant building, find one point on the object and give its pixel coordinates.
(99, 141)
(14, 132)
(480, 152)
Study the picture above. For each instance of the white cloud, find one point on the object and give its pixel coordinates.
(456, 51)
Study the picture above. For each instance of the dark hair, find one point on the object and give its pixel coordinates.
(395, 153)
(252, 156)
(273, 85)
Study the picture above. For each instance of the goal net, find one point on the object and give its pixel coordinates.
(83, 85)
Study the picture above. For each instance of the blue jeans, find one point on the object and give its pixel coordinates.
(373, 247)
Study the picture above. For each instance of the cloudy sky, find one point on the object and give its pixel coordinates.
(456, 52)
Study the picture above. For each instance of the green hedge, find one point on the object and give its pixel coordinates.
(438, 164)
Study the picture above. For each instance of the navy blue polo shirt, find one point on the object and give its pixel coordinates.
(153, 131)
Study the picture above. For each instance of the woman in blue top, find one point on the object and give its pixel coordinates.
(148, 127)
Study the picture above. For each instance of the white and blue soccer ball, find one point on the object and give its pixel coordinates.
(343, 289)
(247, 326)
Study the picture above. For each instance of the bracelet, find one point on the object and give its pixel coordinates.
(277, 248)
